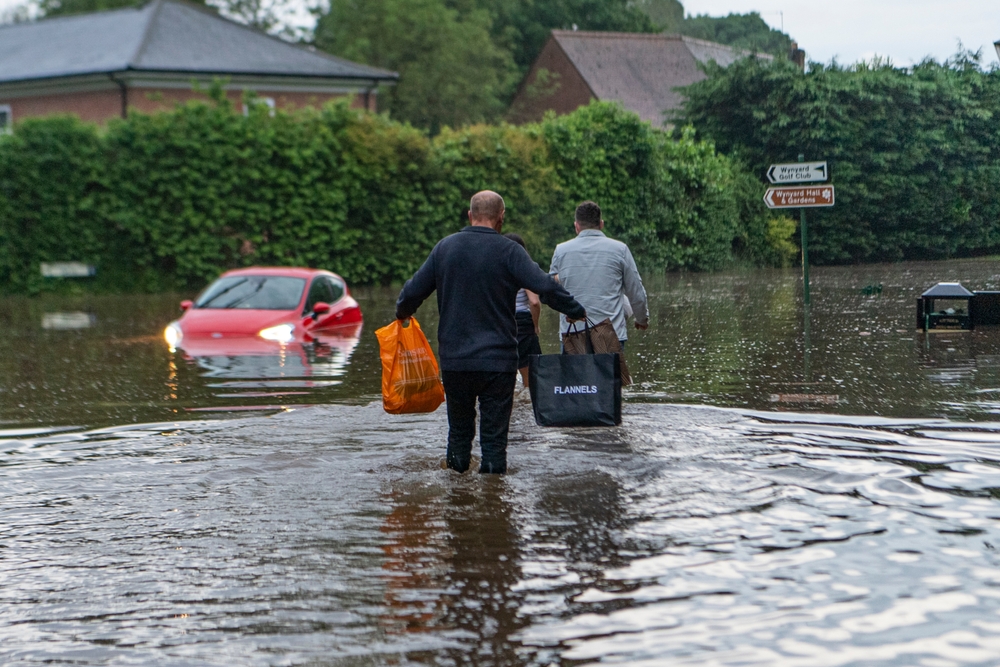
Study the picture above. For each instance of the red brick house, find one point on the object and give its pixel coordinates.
(639, 70)
(148, 58)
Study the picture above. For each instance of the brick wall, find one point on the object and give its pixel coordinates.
(103, 105)
(95, 106)
(150, 100)
(563, 92)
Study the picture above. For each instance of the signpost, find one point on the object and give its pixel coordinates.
(800, 197)
(798, 172)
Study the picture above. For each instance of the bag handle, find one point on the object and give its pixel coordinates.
(586, 334)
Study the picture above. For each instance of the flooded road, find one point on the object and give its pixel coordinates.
(772, 498)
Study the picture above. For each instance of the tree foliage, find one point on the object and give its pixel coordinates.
(914, 153)
(172, 199)
(522, 26)
(266, 15)
(450, 70)
(459, 61)
(70, 7)
(666, 15)
(743, 31)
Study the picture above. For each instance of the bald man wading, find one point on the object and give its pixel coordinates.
(477, 273)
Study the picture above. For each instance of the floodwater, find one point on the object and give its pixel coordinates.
(784, 491)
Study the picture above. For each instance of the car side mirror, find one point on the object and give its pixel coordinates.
(320, 308)
(186, 303)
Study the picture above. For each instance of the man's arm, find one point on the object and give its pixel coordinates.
(550, 292)
(416, 290)
(554, 265)
(636, 293)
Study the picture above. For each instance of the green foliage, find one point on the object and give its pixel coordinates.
(743, 31)
(69, 7)
(459, 61)
(779, 240)
(666, 15)
(264, 15)
(914, 153)
(450, 71)
(49, 199)
(173, 199)
(522, 26)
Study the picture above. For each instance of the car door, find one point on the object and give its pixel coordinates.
(328, 290)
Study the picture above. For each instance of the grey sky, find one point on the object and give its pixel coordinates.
(904, 30)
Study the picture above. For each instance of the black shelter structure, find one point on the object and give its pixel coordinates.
(946, 306)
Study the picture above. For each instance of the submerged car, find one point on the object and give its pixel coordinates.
(251, 311)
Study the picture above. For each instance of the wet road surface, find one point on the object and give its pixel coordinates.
(774, 496)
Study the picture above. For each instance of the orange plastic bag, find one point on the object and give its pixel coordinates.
(411, 381)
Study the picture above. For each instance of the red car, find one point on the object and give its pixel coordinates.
(257, 310)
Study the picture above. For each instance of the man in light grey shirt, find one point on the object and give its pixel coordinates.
(600, 273)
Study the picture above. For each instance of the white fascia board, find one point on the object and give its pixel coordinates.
(278, 84)
(89, 83)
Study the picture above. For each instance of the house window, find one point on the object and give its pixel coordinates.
(6, 119)
(266, 101)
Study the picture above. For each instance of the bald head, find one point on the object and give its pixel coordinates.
(486, 208)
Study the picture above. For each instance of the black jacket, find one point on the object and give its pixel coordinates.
(477, 273)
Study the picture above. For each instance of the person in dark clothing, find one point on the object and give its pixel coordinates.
(527, 310)
(477, 274)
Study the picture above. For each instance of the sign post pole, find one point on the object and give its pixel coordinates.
(800, 197)
(805, 248)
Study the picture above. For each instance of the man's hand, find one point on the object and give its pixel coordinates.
(642, 327)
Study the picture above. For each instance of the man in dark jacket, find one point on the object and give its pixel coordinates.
(477, 273)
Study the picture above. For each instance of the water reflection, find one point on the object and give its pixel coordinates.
(736, 339)
(68, 320)
(452, 565)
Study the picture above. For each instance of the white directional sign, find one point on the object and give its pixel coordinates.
(802, 196)
(798, 172)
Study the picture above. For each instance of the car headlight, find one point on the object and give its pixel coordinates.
(173, 335)
(281, 333)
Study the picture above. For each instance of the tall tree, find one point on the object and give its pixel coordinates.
(523, 26)
(744, 31)
(914, 152)
(666, 15)
(450, 70)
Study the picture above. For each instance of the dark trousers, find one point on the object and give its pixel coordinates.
(495, 392)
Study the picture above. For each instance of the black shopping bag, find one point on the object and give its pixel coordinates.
(576, 389)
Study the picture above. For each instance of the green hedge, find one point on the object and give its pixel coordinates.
(170, 200)
(914, 152)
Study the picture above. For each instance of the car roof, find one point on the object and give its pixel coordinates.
(289, 271)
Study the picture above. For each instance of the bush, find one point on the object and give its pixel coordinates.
(173, 199)
(913, 152)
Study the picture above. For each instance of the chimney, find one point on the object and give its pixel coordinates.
(798, 56)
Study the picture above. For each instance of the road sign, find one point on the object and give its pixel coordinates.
(803, 196)
(798, 172)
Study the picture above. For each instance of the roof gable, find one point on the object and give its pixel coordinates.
(163, 36)
(641, 70)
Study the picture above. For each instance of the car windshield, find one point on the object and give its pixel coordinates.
(257, 292)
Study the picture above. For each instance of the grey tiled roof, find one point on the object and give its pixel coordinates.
(641, 70)
(162, 36)
(945, 290)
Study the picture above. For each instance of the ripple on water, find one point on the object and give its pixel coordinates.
(332, 534)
